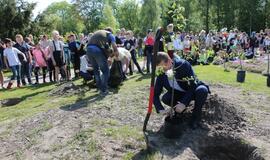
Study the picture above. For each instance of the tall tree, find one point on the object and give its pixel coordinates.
(108, 19)
(91, 12)
(65, 17)
(150, 15)
(128, 15)
(15, 17)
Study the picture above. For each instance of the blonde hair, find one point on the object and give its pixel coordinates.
(55, 32)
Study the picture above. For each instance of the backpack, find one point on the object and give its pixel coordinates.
(116, 74)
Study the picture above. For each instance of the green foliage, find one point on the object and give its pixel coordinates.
(150, 15)
(128, 15)
(15, 17)
(61, 16)
(91, 13)
(108, 19)
(176, 11)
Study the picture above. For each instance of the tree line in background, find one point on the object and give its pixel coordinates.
(84, 16)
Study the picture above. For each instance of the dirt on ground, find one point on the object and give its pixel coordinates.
(236, 126)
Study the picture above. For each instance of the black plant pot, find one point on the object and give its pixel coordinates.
(173, 127)
(241, 75)
(268, 81)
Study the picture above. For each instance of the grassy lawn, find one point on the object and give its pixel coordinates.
(215, 74)
(36, 99)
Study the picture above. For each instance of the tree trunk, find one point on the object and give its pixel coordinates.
(207, 15)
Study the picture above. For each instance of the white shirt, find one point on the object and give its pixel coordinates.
(85, 66)
(12, 56)
(173, 82)
(267, 42)
(178, 44)
(175, 85)
(58, 45)
(123, 53)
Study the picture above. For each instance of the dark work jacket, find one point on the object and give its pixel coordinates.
(182, 70)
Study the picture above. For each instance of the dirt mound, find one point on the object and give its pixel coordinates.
(66, 89)
(220, 138)
(223, 114)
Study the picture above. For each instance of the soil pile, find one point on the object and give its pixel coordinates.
(220, 138)
(65, 89)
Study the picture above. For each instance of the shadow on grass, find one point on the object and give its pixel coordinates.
(147, 76)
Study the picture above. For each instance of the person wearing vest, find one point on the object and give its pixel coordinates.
(22, 46)
(98, 51)
(182, 86)
(56, 52)
(169, 40)
(74, 47)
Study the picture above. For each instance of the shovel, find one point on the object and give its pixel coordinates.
(151, 96)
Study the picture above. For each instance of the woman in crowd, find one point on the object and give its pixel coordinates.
(40, 62)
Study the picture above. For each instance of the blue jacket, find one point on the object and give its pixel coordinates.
(183, 70)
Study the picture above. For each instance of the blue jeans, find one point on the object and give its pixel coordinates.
(16, 70)
(99, 62)
(26, 72)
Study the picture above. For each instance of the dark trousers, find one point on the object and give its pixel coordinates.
(43, 73)
(26, 72)
(149, 55)
(134, 59)
(76, 65)
(199, 95)
(51, 70)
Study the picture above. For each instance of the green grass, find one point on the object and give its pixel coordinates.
(36, 99)
(215, 74)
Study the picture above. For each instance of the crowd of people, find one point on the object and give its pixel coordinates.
(56, 57)
(107, 59)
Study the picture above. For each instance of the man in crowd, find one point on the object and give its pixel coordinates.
(74, 47)
(98, 51)
(26, 66)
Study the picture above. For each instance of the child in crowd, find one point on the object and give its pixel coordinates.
(40, 58)
(125, 58)
(86, 70)
(130, 46)
(12, 60)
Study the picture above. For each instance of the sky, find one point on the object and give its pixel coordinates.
(42, 5)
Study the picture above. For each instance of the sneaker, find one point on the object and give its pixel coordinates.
(18, 85)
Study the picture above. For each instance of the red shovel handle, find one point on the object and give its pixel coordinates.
(151, 96)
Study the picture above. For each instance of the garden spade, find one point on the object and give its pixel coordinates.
(151, 96)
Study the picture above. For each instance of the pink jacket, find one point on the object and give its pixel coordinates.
(40, 58)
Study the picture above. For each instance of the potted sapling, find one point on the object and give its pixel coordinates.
(241, 74)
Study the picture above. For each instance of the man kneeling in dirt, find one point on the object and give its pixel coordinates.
(182, 86)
